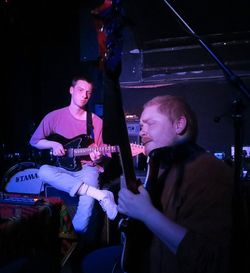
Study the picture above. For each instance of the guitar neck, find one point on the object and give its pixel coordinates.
(127, 164)
(87, 151)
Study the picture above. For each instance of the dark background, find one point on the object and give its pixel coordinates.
(44, 43)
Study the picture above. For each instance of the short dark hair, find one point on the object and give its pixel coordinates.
(174, 107)
(81, 77)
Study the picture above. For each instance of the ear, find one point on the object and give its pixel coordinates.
(71, 90)
(181, 125)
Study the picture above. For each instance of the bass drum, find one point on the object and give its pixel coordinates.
(23, 178)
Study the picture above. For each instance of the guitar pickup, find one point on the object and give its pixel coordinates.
(70, 152)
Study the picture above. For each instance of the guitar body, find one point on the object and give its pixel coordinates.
(68, 161)
(136, 239)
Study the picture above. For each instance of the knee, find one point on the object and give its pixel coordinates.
(44, 172)
(91, 176)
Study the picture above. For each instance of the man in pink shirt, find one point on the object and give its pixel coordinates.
(77, 175)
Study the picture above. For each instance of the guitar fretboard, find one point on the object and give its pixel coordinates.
(87, 151)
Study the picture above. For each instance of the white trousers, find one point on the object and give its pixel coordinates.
(70, 182)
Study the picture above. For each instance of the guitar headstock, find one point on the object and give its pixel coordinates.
(137, 149)
(109, 25)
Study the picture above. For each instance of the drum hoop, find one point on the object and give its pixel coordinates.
(22, 166)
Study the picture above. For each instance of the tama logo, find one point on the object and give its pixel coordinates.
(26, 177)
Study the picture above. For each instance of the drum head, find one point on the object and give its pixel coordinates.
(23, 178)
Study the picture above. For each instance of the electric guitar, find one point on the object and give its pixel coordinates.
(76, 149)
(114, 126)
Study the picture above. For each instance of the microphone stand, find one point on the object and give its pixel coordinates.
(240, 213)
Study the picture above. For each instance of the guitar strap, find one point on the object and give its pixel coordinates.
(90, 128)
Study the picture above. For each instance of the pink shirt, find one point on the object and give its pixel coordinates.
(62, 122)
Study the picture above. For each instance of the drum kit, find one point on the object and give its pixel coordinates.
(20, 172)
